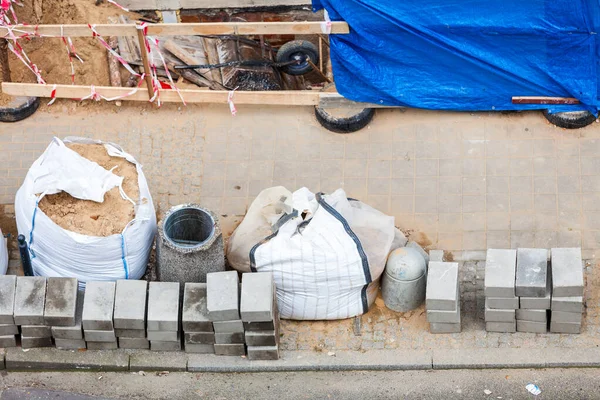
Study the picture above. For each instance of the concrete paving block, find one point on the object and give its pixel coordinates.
(263, 352)
(418, 247)
(532, 273)
(99, 336)
(164, 336)
(102, 345)
(532, 315)
(59, 360)
(98, 306)
(154, 361)
(566, 317)
(502, 327)
(229, 338)
(264, 338)
(442, 286)
(8, 285)
(6, 330)
(567, 304)
(71, 332)
(199, 338)
(229, 326)
(130, 304)
(163, 306)
(532, 326)
(8, 341)
(222, 296)
(67, 344)
(41, 331)
(195, 314)
(535, 303)
(444, 328)
(230, 349)
(199, 348)
(30, 296)
(493, 315)
(259, 326)
(564, 327)
(444, 317)
(258, 290)
(158, 345)
(436, 255)
(60, 308)
(134, 343)
(131, 333)
(567, 272)
(500, 271)
(33, 342)
(503, 303)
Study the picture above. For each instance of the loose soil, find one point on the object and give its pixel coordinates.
(88, 217)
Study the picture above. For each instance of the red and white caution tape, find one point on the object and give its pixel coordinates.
(118, 5)
(326, 25)
(230, 102)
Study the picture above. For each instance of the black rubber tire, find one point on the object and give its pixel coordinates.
(344, 125)
(20, 111)
(570, 120)
(298, 50)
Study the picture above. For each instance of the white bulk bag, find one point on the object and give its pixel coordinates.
(326, 252)
(3, 255)
(57, 252)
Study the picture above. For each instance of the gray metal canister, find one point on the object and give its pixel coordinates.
(404, 281)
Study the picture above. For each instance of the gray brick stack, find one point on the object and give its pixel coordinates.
(130, 314)
(567, 290)
(71, 337)
(533, 286)
(198, 330)
(223, 307)
(30, 298)
(8, 328)
(163, 316)
(60, 309)
(442, 297)
(260, 315)
(97, 316)
(499, 285)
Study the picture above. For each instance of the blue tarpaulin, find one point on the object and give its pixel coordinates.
(469, 55)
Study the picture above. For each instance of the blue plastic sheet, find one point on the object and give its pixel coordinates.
(469, 55)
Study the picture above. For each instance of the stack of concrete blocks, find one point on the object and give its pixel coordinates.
(130, 314)
(71, 337)
(8, 328)
(198, 331)
(223, 306)
(533, 288)
(567, 291)
(97, 317)
(442, 298)
(260, 315)
(501, 301)
(60, 310)
(30, 298)
(164, 316)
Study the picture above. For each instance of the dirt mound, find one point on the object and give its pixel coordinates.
(91, 218)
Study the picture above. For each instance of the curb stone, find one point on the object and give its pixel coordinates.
(158, 361)
(54, 359)
(2, 356)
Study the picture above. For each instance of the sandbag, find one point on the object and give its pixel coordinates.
(57, 252)
(326, 252)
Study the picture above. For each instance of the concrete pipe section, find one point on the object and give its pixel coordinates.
(189, 245)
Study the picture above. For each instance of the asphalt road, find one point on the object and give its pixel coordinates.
(562, 384)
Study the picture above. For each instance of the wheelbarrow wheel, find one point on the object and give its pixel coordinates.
(344, 121)
(570, 119)
(299, 51)
(19, 109)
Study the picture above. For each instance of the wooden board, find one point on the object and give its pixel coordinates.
(544, 100)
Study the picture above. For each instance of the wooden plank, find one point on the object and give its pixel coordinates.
(145, 61)
(209, 28)
(336, 100)
(544, 100)
(282, 97)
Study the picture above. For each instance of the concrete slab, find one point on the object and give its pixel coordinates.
(436, 255)
(72, 332)
(567, 304)
(421, 251)
(501, 327)
(258, 290)
(532, 273)
(41, 331)
(102, 345)
(500, 271)
(163, 306)
(438, 328)
(98, 306)
(263, 352)
(487, 358)
(60, 308)
(535, 303)
(157, 345)
(495, 315)
(567, 272)
(259, 339)
(165, 336)
(54, 359)
(581, 358)
(99, 336)
(6, 330)
(532, 315)
(502, 303)
(8, 285)
(259, 326)
(444, 317)
(230, 326)
(532, 326)
(157, 361)
(564, 327)
(8, 341)
(33, 342)
(235, 349)
(442, 286)
(130, 333)
(130, 304)
(67, 344)
(134, 343)
(199, 348)
(568, 317)
(2, 364)
(199, 338)
(229, 338)
(30, 297)
(222, 297)
(195, 314)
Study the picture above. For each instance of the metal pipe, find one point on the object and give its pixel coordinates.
(24, 252)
